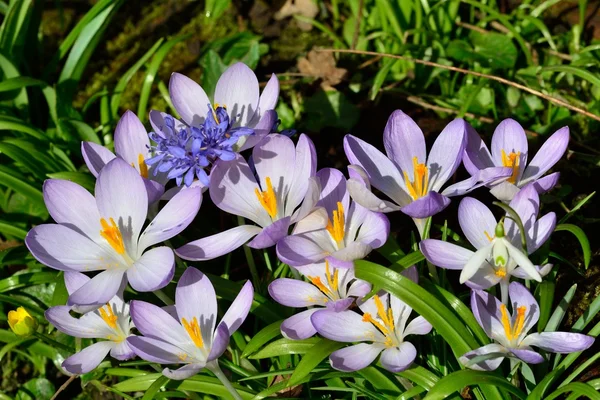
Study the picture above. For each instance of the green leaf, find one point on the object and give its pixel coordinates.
(583, 240)
(213, 66)
(263, 336)
(19, 82)
(8, 228)
(60, 294)
(15, 124)
(80, 130)
(545, 294)
(312, 358)
(582, 390)
(407, 261)
(155, 387)
(378, 379)
(81, 178)
(579, 72)
(560, 311)
(27, 279)
(24, 159)
(36, 389)
(33, 194)
(284, 347)
(458, 380)
(13, 31)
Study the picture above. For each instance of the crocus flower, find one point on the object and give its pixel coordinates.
(333, 288)
(133, 146)
(103, 233)
(238, 119)
(410, 178)
(383, 324)
(350, 234)
(283, 195)
(496, 258)
(190, 338)
(509, 331)
(110, 322)
(509, 149)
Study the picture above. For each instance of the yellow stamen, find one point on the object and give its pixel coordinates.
(511, 160)
(418, 187)
(381, 310)
(182, 356)
(108, 316)
(267, 199)
(315, 280)
(368, 318)
(512, 331)
(336, 228)
(387, 325)
(193, 330)
(142, 165)
(332, 280)
(500, 272)
(112, 234)
(487, 235)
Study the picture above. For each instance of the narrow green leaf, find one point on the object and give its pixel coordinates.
(582, 390)
(285, 347)
(458, 380)
(13, 31)
(80, 178)
(312, 358)
(155, 387)
(33, 194)
(407, 261)
(263, 336)
(581, 237)
(579, 72)
(19, 82)
(8, 228)
(545, 294)
(27, 279)
(14, 124)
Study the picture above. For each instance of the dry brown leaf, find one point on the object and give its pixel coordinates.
(322, 65)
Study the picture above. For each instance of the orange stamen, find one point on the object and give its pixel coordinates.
(112, 234)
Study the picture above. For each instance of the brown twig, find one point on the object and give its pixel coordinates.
(357, 24)
(537, 93)
(64, 386)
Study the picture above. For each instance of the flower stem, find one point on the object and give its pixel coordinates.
(423, 226)
(162, 296)
(250, 261)
(213, 366)
(52, 342)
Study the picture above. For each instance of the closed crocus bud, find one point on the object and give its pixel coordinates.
(21, 322)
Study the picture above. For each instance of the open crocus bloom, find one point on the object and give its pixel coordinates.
(103, 233)
(333, 288)
(383, 323)
(111, 322)
(283, 195)
(509, 149)
(351, 233)
(190, 337)
(133, 146)
(509, 331)
(496, 258)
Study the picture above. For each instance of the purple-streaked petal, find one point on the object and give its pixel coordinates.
(154, 350)
(426, 206)
(403, 140)
(269, 96)
(87, 359)
(274, 158)
(261, 130)
(238, 311)
(95, 156)
(355, 358)
(397, 359)
(313, 222)
(484, 177)
(305, 166)
(353, 251)
(299, 326)
(100, 289)
(490, 364)
(220, 342)
(541, 231)
(122, 351)
(476, 156)
(486, 309)
(195, 298)
(270, 235)
(189, 99)
(75, 280)
(543, 271)
(157, 120)
(237, 89)
(216, 245)
(297, 250)
(526, 204)
(153, 270)
(520, 296)
(504, 191)
(546, 183)
(476, 221)
(333, 190)
(548, 155)
(345, 326)
(374, 230)
(528, 356)
(296, 293)
(154, 322)
(446, 154)
(311, 197)
(510, 137)
(154, 189)
(340, 305)
(88, 326)
(169, 194)
(444, 254)
(185, 372)
(363, 196)
(174, 217)
(131, 139)
(418, 326)
(559, 342)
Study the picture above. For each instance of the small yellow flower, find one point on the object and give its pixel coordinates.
(21, 322)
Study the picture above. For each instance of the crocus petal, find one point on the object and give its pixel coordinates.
(529, 356)
(269, 96)
(157, 120)
(270, 235)
(397, 359)
(543, 270)
(174, 217)
(122, 351)
(333, 190)
(382, 172)
(522, 261)
(100, 289)
(154, 189)
(220, 342)
(504, 191)
(354, 358)
(476, 156)
(353, 251)
(95, 156)
(418, 326)
(474, 263)
(526, 204)
(195, 298)
(305, 166)
(403, 141)
(296, 293)
(520, 296)
(185, 372)
(155, 350)
(311, 198)
(559, 342)
(274, 158)
(426, 206)
(121, 195)
(546, 183)
(216, 245)
(189, 99)
(446, 153)
(510, 137)
(154, 322)
(261, 130)
(445, 255)
(88, 358)
(374, 230)
(238, 311)
(88, 326)
(299, 326)
(541, 231)
(485, 177)
(489, 364)
(75, 280)
(486, 309)
(153, 270)
(345, 326)
(484, 278)
(363, 196)
(548, 155)
(237, 89)
(476, 221)
(299, 250)
(131, 139)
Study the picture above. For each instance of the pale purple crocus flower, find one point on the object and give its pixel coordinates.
(104, 233)
(283, 193)
(411, 179)
(189, 338)
(510, 149)
(495, 259)
(110, 322)
(509, 331)
(350, 234)
(383, 324)
(133, 146)
(333, 288)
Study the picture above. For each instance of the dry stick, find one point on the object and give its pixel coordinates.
(64, 386)
(468, 72)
